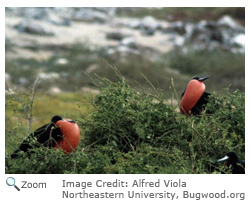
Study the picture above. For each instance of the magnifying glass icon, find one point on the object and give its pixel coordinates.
(11, 182)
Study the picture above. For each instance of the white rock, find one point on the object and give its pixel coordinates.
(23, 81)
(239, 39)
(179, 40)
(149, 21)
(34, 28)
(7, 77)
(228, 21)
(90, 90)
(92, 68)
(54, 90)
(61, 61)
(149, 25)
(48, 76)
(129, 42)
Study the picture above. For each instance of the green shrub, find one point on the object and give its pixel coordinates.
(124, 118)
(131, 132)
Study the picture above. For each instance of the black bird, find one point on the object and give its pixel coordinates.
(231, 160)
(194, 98)
(46, 135)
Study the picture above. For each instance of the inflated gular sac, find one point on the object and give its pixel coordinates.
(71, 135)
(194, 97)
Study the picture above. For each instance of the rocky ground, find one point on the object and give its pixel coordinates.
(26, 28)
(33, 33)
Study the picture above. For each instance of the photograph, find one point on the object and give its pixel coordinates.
(124, 90)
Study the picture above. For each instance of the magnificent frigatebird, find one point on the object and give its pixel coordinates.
(231, 160)
(194, 98)
(59, 133)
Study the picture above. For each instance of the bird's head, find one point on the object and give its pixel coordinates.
(56, 118)
(229, 158)
(201, 79)
(192, 94)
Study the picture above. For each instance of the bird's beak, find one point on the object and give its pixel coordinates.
(203, 78)
(69, 120)
(223, 159)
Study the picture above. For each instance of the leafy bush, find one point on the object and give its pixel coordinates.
(125, 118)
(131, 132)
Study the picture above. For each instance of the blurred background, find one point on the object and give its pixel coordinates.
(65, 47)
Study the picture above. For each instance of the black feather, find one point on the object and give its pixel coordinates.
(47, 135)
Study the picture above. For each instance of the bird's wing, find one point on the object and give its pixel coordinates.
(197, 109)
(48, 134)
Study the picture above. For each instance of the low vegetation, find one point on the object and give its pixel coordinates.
(223, 67)
(188, 13)
(127, 131)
